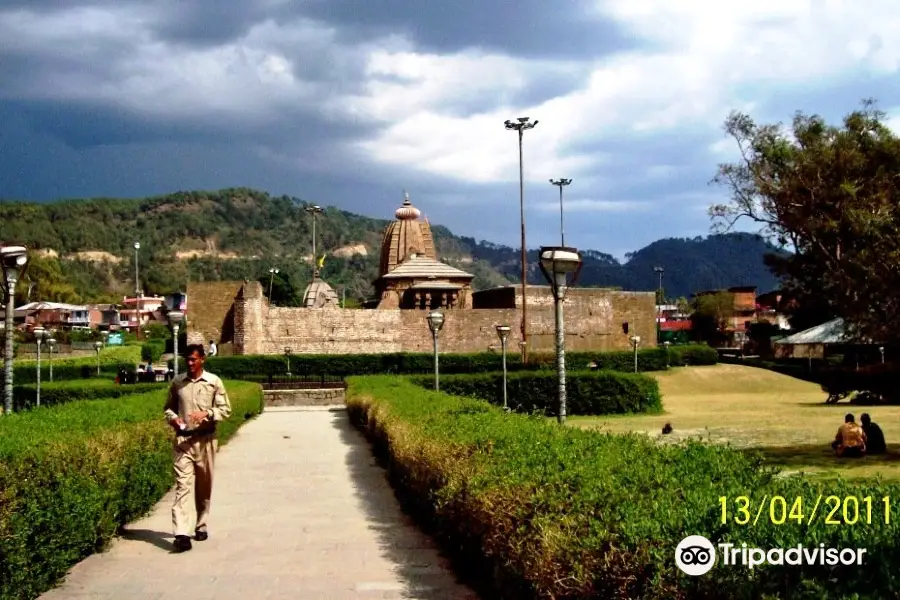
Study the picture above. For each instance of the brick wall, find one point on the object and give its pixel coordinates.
(210, 313)
(593, 321)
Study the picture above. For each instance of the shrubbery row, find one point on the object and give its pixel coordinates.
(587, 392)
(543, 511)
(653, 359)
(25, 396)
(71, 475)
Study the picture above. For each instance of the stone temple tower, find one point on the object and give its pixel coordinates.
(410, 274)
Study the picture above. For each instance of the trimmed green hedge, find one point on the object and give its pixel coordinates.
(587, 392)
(651, 359)
(71, 475)
(535, 510)
(25, 396)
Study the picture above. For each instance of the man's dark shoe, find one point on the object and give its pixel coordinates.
(200, 535)
(182, 543)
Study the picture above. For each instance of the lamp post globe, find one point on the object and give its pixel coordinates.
(435, 324)
(557, 264)
(13, 259)
(503, 334)
(97, 346)
(175, 317)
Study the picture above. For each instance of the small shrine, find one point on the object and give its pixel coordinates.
(319, 294)
(410, 274)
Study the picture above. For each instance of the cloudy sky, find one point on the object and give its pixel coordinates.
(349, 102)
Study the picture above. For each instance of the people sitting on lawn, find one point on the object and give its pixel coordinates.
(875, 443)
(850, 440)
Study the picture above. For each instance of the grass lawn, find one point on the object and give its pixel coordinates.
(752, 408)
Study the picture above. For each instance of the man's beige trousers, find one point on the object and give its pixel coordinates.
(194, 461)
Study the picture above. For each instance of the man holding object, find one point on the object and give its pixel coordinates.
(197, 401)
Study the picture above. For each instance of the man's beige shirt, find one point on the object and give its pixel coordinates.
(206, 393)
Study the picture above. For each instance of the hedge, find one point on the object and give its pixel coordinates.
(651, 359)
(587, 392)
(71, 475)
(25, 396)
(531, 509)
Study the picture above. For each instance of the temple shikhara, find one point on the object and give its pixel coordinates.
(410, 274)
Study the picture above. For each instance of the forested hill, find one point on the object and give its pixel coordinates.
(85, 249)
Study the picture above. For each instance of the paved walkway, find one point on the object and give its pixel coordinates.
(300, 510)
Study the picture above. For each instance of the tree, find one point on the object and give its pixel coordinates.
(830, 195)
(710, 316)
(43, 280)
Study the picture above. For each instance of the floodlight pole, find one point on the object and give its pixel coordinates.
(560, 183)
(521, 126)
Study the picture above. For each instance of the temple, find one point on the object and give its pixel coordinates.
(410, 274)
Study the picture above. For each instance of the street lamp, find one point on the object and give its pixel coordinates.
(272, 272)
(667, 344)
(97, 346)
(881, 349)
(51, 345)
(314, 210)
(287, 355)
(522, 350)
(635, 340)
(659, 303)
(503, 333)
(39, 338)
(435, 323)
(560, 183)
(137, 290)
(557, 262)
(105, 336)
(522, 126)
(175, 318)
(13, 259)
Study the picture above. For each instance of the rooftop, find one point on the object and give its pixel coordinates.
(419, 266)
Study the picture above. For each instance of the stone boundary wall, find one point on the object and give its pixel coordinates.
(323, 397)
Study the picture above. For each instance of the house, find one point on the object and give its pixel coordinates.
(812, 343)
(740, 314)
(57, 315)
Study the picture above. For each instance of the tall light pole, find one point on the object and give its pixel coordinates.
(272, 272)
(51, 345)
(13, 259)
(39, 338)
(503, 334)
(659, 302)
(521, 127)
(175, 318)
(435, 323)
(557, 262)
(560, 183)
(314, 210)
(137, 290)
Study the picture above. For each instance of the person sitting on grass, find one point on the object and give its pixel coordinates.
(850, 440)
(874, 436)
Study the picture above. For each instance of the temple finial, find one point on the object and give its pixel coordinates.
(406, 197)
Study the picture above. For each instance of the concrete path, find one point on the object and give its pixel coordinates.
(300, 509)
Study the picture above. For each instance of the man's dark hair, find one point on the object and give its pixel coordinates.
(865, 417)
(848, 418)
(198, 348)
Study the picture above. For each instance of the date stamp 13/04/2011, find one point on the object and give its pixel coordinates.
(797, 510)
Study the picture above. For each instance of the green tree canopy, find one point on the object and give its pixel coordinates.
(829, 194)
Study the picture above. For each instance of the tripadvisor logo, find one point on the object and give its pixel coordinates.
(695, 555)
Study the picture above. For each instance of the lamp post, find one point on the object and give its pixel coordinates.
(560, 183)
(557, 262)
(435, 323)
(105, 336)
(175, 318)
(13, 259)
(522, 126)
(503, 334)
(522, 350)
(272, 272)
(314, 210)
(881, 349)
(635, 340)
(287, 355)
(39, 338)
(51, 345)
(137, 290)
(659, 302)
(667, 344)
(97, 346)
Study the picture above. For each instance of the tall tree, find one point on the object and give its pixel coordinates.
(830, 195)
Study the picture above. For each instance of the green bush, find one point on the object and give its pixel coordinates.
(651, 359)
(71, 475)
(543, 511)
(587, 392)
(152, 350)
(25, 396)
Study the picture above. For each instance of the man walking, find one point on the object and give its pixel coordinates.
(197, 401)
